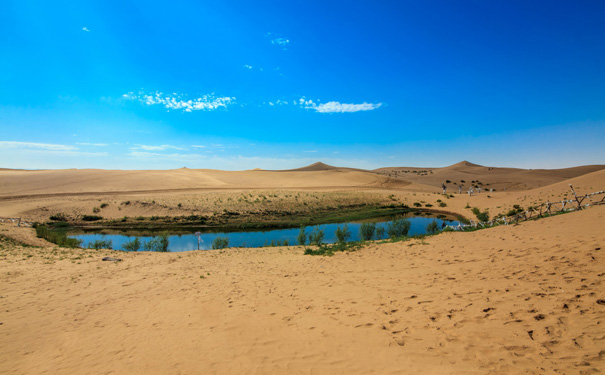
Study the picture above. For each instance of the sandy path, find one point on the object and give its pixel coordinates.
(515, 299)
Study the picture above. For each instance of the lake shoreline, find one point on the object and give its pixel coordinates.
(247, 221)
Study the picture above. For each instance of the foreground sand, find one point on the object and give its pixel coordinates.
(512, 299)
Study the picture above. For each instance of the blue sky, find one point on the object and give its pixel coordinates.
(238, 85)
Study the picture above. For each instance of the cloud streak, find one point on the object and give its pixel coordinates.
(283, 42)
(41, 146)
(176, 101)
(93, 144)
(157, 148)
(337, 107)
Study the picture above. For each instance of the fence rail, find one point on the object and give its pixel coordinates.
(16, 220)
(542, 210)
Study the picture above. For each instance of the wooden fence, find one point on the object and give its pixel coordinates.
(16, 220)
(542, 210)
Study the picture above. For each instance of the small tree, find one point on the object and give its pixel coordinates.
(159, 243)
(317, 236)
(379, 232)
(220, 243)
(366, 231)
(100, 244)
(302, 236)
(132, 245)
(432, 228)
(342, 235)
(398, 228)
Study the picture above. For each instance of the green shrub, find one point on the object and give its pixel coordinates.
(379, 232)
(428, 205)
(316, 237)
(442, 204)
(56, 237)
(302, 236)
(481, 216)
(132, 245)
(100, 244)
(417, 204)
(343, 235)
(58, 217)
(158, 243)
(103, 205)
(398, 228)
(91, 217)
(366, 231)
(220, 242)
(432, 228)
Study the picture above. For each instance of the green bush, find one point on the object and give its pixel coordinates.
(442, 204)
(481, 216)
(343, 235)
(316, 237)
(432, 228)
(366, 231)
(398, 228)
(58, 217)
(56, 237)
(158, 243)
(220, 242)
(302, 236)
(91, 217)
(379, 232)
(417, 204)
(132, 245)
(100, 244)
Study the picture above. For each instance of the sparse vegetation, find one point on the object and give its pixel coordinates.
(343, 235)
(158, 243)
(316, 237)
(56, 237)
(432, 228)
(91, 218)
(481, 216)
(366, 231)
(100, 244)
(302, 236)
(398, 228)
(132, 245)
(220, 243)
(58, 217)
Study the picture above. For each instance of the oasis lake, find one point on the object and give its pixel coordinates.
(186, 239)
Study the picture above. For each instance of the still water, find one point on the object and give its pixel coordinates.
(258, 238)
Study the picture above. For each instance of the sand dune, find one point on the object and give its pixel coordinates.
(524, 298)
(514, 299)
(490, 177)
(23, 183)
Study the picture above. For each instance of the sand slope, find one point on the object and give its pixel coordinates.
(514, 299)
(77, 181)
(498, 178)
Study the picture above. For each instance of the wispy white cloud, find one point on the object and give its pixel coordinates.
(173, 156)
(43, 146)
(156, 148)
(283, 42)
(176, 101)
(85, 29)
(337, 107)
(93, 144)
(310, 151)
(198, 146)
(248, 66)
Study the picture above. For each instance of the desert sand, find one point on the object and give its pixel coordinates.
(524, 298)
